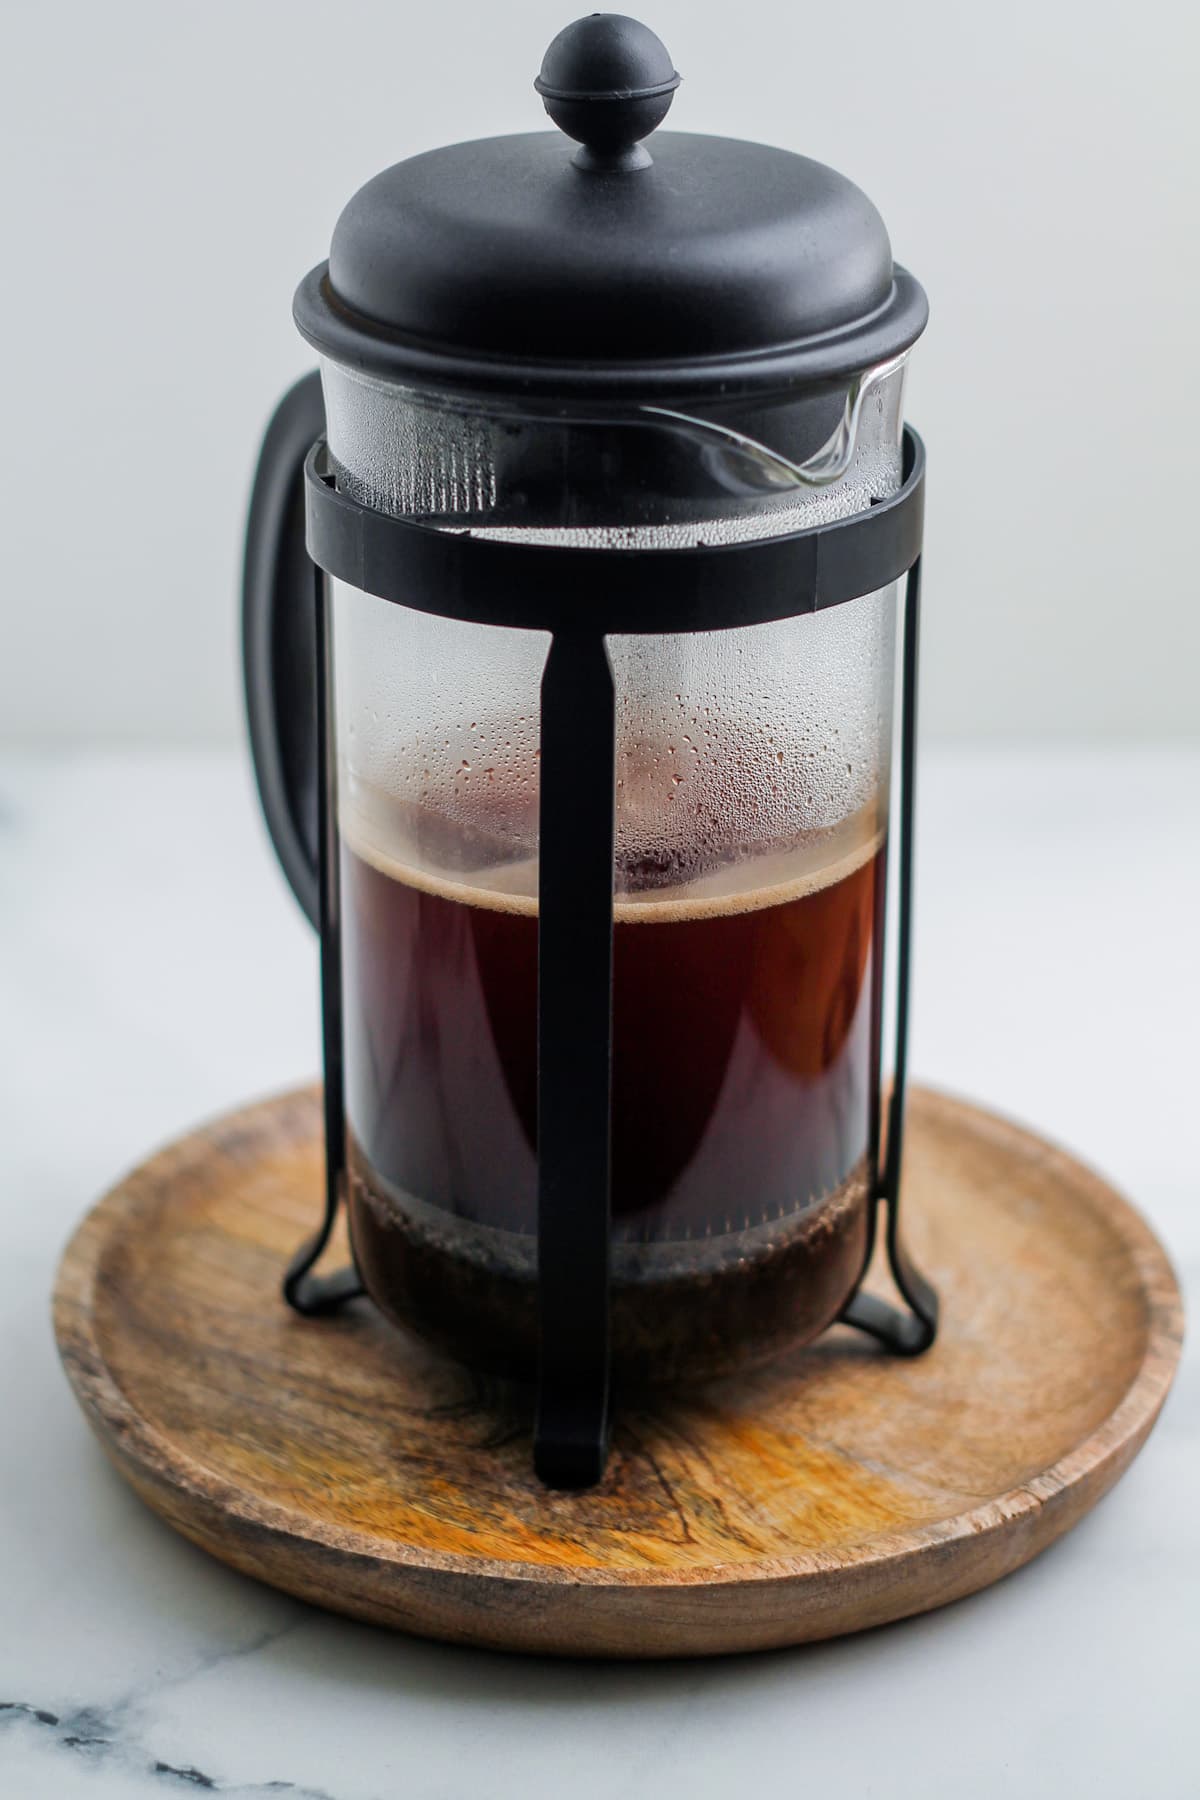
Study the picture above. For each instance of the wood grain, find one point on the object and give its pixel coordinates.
(838, 1489)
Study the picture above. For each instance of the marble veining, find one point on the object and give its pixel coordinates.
(104, 1737)
(112, 1737)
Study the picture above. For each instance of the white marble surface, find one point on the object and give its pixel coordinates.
(154, 970)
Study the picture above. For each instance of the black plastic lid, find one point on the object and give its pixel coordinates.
(688, 265)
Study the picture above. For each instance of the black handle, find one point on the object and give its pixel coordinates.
(279, 651)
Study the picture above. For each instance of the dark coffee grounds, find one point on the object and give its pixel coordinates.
(680, 1311)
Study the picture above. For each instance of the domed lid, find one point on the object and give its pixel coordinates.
(682, 265)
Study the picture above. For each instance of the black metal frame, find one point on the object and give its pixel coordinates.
(572, 594)
(303, 1288)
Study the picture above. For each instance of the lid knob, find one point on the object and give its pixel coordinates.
(608, 82)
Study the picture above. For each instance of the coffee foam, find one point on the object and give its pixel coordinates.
(773, 878)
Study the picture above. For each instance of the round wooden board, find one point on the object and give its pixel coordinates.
(839, 1489)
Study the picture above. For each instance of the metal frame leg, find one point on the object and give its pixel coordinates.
(904, 1333)
(575, 954)
(306, 1292)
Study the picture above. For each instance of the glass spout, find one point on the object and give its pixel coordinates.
(768, 470)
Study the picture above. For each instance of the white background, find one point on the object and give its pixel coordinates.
(167, 173)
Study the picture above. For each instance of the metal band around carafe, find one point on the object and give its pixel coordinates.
(543, 587)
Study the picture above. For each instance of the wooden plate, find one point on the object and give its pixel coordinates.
(345, 1463)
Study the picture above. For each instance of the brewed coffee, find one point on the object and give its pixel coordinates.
(744, 1094)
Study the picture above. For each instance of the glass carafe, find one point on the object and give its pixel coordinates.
(751, 820)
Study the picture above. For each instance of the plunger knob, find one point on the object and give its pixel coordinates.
(608, 82)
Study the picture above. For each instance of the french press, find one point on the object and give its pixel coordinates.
(573, 587)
